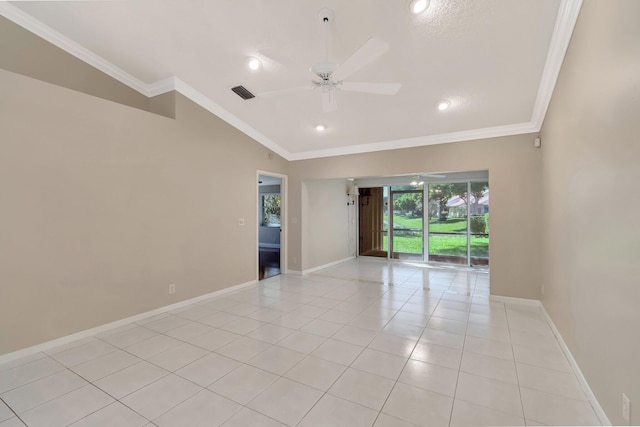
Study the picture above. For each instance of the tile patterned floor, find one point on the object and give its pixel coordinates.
(364, 343)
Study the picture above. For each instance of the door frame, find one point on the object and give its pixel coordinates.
(283, 220)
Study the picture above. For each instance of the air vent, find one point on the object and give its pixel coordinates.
(242, 92)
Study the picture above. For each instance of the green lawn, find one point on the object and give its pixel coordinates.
(457, 245)
(440, 245)
(407, 245)
(404, 222)
(452, 225)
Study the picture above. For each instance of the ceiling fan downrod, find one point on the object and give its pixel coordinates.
(325, 69)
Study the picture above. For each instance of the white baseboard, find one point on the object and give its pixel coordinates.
(604, 420)
(516, 301)
(8, 357)
(321, 267)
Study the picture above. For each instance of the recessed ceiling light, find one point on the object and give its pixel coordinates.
(418, 6)
(253, 63)
(321, 128)
(443, 105)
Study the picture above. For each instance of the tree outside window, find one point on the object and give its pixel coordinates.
(271, 210)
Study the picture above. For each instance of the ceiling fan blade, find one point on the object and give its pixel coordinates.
(329, 102)
(284, 91)
(377, 88)
(371, 50)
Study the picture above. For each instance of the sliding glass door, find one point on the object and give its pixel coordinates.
(459, 223)
(448, 240)
(479, 223)
(444, 222)
(407, 222)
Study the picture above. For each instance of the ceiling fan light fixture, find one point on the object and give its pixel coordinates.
(418, 6)
(443, 105)
(331, 76)
(253, 63)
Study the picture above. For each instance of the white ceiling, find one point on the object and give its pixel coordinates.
(486, 56)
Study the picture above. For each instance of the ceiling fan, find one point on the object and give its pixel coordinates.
(329, 77)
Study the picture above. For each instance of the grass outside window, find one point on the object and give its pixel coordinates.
(439, 244)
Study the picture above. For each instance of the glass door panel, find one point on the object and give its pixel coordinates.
(407, 222)
(447, 227)
(479, 223)
(385, 219)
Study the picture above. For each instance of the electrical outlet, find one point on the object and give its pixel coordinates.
(172, 289)
(626, 408)
(240, 221)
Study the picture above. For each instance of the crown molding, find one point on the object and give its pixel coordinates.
(47, 33)
(443, 138)
(160, 87)
(565, 23)
(214, 108)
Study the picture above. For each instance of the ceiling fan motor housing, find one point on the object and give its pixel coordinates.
(324, 70)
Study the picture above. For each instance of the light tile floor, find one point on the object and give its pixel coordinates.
(359, 344)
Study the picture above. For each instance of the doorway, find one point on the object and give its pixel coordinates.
(270, 224)
(372, 222)
(391, 222)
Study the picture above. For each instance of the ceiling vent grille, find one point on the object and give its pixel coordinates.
(242, 92)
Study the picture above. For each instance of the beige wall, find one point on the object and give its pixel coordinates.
(591, 170)
(514, 167)
(325, 223)
(103, 206)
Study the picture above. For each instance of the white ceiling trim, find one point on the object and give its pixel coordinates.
(225, 115)
(562, 31)
(175, 84)
(565, 22)
(443, 138)
(161, 86)
(158, 88)
(47, 33)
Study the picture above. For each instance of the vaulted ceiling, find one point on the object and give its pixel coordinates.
(494, 61)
